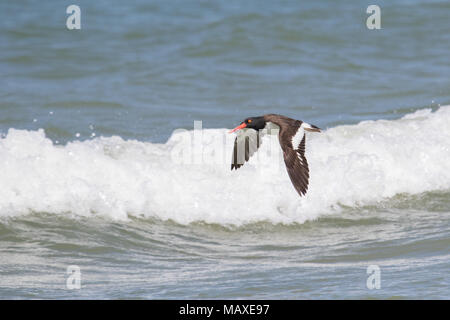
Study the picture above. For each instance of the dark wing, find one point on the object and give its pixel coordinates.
(297, 166)
(246, 144)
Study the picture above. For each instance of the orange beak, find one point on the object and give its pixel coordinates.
(242, 125)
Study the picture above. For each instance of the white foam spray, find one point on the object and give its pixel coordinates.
(349, 165)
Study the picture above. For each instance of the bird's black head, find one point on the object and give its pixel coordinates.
(256, 123)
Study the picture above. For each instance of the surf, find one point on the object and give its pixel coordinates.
(187, 179)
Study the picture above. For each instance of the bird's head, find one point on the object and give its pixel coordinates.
(256, 123)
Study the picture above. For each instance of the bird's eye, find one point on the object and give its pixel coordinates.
(249, 120)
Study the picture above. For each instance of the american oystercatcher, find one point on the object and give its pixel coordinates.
(292, 141)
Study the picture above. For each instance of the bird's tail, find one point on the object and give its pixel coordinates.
(310, 127)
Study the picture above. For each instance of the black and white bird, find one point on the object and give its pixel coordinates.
(292, 140)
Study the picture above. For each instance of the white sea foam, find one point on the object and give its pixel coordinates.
(349, 165)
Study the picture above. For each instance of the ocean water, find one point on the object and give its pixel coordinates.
(103, 169)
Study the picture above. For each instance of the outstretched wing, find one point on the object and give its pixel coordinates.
(246, 144)
(297, 166)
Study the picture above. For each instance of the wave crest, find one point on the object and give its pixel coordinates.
(350, 165)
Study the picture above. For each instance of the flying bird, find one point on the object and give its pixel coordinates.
(292, 140)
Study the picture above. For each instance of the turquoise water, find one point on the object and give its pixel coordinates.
(97, 186)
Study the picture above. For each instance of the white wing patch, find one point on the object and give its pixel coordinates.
(298, 137)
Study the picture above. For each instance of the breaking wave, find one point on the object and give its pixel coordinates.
(188, 178)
